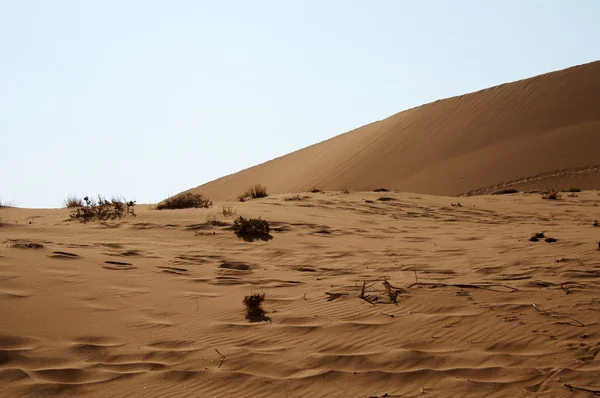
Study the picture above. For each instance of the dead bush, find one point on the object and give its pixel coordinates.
(186, 200)
(251, 229)
(386, 198)
(103, 209)
(553, 194)
(71, 202)
(254, 309)
(228, 211)
(505, 191)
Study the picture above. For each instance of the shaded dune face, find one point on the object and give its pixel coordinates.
(536, 133)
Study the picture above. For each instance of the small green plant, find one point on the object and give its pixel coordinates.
(250, 229)
(254, 309)
(71, 202)
(505, 191)
(255, 192)
(103, 209)
(186, 200)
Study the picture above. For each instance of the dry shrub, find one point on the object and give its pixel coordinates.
(255, 192)
(103, 209)
(254, 309)
(553, 194)
(72, 201)
(315, 190)
(296, 197)
(573, 190)
(186, 200)
(228, 211)
(28, 245)
(346, 191)
(251, 229)
(386, 198)
(381, 190)
(6, 204)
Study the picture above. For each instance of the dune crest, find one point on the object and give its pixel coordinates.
(508, 135)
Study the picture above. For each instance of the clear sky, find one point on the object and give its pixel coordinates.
(147, 98)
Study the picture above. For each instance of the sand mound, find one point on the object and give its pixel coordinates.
(540, 132)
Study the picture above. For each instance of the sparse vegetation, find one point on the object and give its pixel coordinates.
(103, 209)
(505, 191)
(381, 190)
(296, 197)
(573, 190)
(4, 204)
(251, 228)
(228, 211)
(572, 195)
(71, 202)
(186, 200)
(553, 194)
(386, 198)
(254, 309)
(346, 191)
(369, 201)
(255, 192)
(315, 190)
(28, 245)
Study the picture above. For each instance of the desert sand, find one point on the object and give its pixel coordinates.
(152, 305)
(541, 132)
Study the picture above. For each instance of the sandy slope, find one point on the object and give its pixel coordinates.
(141, 306)
(540, 132)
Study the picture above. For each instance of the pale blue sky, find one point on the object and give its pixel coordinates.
(148, 98)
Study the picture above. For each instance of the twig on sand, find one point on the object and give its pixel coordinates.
(334, 295)
(540, 311)
(388, 314)
(592, 390)
(496, 287)
(304, 297)
(222, 358)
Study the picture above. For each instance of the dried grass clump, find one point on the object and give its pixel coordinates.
(71, 202)
(256, 192)
(228, 211)
(6, 204)
(553, 194)
(296, 197)
(103, 209)
(28, 245)
(254, 309)
(186, 200)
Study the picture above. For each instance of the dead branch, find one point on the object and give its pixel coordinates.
(540, 311)
(222, 358)
(495, 287)
(572, 387)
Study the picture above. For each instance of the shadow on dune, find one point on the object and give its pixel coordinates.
(252, 236)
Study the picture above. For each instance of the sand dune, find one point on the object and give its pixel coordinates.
(539, 133)
(151, 306)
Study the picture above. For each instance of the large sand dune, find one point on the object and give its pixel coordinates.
(542, 132)
(151, 306)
